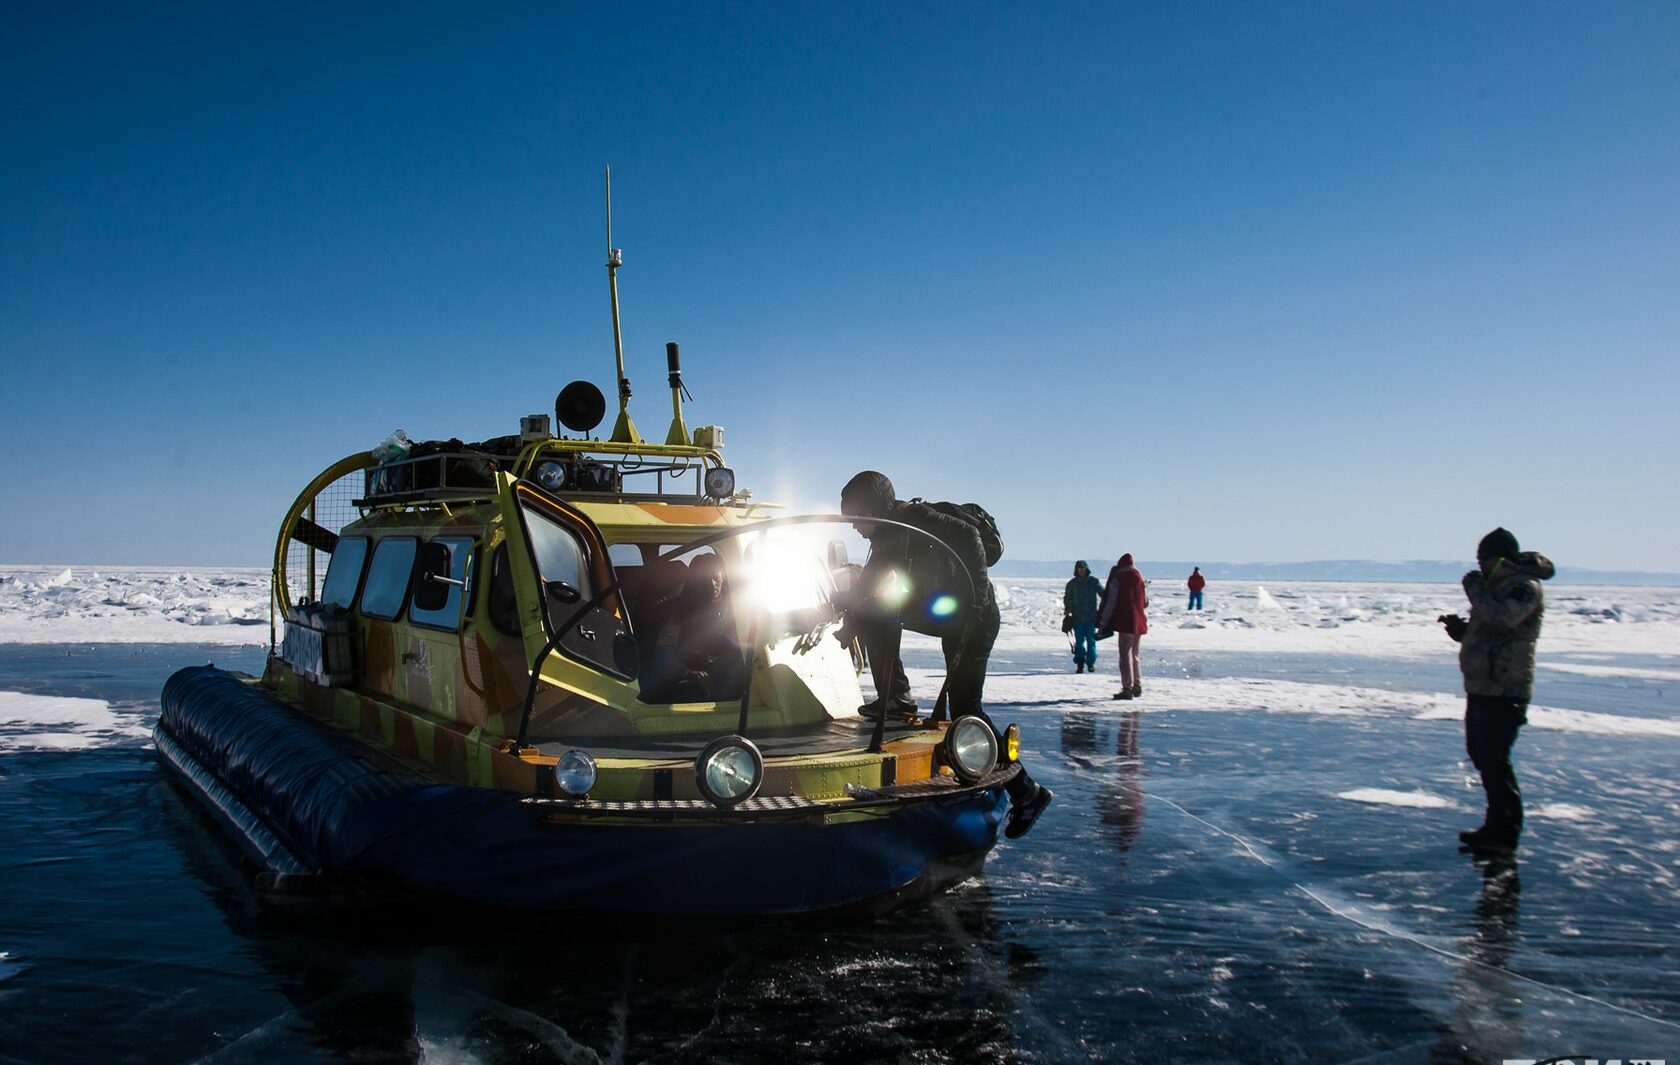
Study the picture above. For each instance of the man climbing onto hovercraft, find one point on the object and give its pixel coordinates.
(967, 644)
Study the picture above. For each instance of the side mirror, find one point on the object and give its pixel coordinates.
(431, 577)
(561, 592)
(838, 557)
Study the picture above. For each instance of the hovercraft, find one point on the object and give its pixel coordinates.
(552, 672)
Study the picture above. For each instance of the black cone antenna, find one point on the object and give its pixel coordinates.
(580, 406)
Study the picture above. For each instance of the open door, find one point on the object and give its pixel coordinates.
(559, 565)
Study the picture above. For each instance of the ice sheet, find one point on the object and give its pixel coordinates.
(1269, 695)
(1258, 859)
(57, 723)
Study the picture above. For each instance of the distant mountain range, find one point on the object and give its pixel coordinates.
(1433, 571)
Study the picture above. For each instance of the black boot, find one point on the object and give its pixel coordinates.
(1022, 816)
(903, 706)
(1489, 840)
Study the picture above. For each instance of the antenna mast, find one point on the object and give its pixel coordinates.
(624, 430)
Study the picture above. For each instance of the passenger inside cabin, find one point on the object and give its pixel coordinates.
(697, 656)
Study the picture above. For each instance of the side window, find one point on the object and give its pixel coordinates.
(388, 576)
(448, 616)
(344, 572)
(560, 556)
(600, 638)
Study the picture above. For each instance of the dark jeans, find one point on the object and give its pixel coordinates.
(965, 679)
(965, 683)
(1490, 728)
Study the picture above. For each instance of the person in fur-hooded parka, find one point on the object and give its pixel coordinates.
(1497, 656)
(1497, 659)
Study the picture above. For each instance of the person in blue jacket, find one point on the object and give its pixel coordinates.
(1079, 616)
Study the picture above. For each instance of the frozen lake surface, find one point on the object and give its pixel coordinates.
(1254, 862)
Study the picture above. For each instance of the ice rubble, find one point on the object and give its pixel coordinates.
(1377, 620)
(56, 604)
(133, 605)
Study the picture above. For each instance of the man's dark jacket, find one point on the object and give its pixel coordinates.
(928, 566)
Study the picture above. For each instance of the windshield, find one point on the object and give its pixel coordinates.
(697, 611)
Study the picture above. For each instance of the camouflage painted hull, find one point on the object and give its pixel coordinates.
(314, 807)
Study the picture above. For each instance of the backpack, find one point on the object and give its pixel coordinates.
(984, 523)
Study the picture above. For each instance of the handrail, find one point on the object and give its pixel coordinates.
(530, 453)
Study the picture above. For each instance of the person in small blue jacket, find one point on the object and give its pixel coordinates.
(1079, 616)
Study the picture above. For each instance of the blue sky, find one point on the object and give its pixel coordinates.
(1194, 281)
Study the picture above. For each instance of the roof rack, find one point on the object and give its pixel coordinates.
(585, 467)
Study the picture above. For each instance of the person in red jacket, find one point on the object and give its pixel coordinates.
(1124, 600)
(1196, 583)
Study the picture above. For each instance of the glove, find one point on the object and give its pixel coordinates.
(1455, 626)
(1067, 622)
(1472, 580)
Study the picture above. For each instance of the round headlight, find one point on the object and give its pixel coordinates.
(551, 475)
(729, 770)
(971, 748)
(575, 773)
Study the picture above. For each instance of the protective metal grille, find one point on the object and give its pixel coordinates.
(312, 534)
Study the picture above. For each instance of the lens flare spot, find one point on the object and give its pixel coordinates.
(943, 606)
(893, 590)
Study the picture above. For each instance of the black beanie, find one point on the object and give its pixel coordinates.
(1497, 544)
(868, 493)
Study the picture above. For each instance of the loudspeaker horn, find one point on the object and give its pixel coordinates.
(580, 406)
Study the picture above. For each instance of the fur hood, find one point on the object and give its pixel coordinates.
(1528, 564)
(1497, 656)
